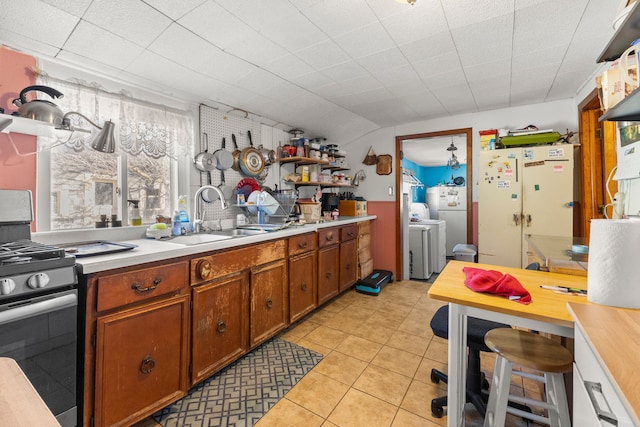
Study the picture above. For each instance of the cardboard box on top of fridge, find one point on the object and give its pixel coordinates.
(612, 85)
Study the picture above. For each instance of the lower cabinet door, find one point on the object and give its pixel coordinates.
(302, 285)
(328, 273)
(269, 301)
(348, 264)
(220, 326)
(141, 360)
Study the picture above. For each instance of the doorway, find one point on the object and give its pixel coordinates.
(432, 142)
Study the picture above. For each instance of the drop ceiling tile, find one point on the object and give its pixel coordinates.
(157, 68)
(476, 45)
(364, 41)
(89, 64)
(398, 75)
(32, 19)
(322, 55)
(260, 14)
(294, 33)
(408, 88)
(174, 9)
(74, 7)
(495, 70)
(384, 60)
(329, 91)
(423, 20)
(311, 80)
(425, 103)
(131, 20)
(434, 45)
(461, 14)
(255, 48)
(375, 94)
(26, 44)
(92, 42)
(213, 23)
(456, 99)
(348, 70)
(385, 8)
(259, 80)
(336, 17)
(288, 67)
(551, 56)
(438, 64)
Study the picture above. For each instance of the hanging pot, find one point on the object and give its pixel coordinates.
(269, 156)
(39, 109)
(251, 161)
(224, 158)
(205, 161)
(236, 154)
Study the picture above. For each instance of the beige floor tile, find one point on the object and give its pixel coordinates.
(359, 348)
(383, 384)
(392, 307)
(341, 367)
(300, 329)
(424, 371)
(358, 409)
(416, 326)
(317, 393)
(327, 337)
(398, 361)
(437, 351)
(374, 332)
(418, 399)
(389, 320)
(407, 419)
(318, 348)
(408, 342)
(286, 412)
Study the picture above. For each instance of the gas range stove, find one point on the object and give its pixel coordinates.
(28, 268)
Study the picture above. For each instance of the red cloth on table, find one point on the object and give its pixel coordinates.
(494, 282)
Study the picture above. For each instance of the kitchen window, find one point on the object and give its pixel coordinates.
(78, 185)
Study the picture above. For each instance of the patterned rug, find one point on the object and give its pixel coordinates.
(243, 392)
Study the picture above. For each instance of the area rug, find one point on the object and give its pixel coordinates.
(243, 392)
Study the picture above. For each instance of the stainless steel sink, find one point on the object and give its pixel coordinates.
(197, 239)
(239, 232)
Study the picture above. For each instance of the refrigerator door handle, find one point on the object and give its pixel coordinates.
(529, 220)
(516, 219)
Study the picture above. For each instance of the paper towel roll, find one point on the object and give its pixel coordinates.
(613, 276)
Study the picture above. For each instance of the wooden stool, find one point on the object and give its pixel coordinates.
(532, 351)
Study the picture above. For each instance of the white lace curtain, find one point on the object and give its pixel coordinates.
(142, 128)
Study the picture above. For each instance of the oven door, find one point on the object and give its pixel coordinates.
(40, 333)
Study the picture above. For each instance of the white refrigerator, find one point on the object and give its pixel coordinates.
(452, 209)
(522, 191)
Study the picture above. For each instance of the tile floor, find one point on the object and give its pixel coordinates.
(378, 355)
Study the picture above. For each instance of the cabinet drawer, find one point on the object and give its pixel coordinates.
(221, 264)
(364, 228)
(302, 243)
(328, 237)
(138, 285)
(348, 232)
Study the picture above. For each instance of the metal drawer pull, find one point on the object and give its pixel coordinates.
(222, 327)
(328, 275)
(269, 303)
(607, 415)
(348, 267)
(137, 287)
(303, 286)
(147, 365)
(329, 237)
(302, 245)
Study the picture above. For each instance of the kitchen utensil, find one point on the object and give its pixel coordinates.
(246, 186)
(224, 158)
(236, 154)
(226, 190)
(209, 195)
(39, 109)
(269, 156)
(251, 161)
(205, 161)
(458, 180)
(384, 164)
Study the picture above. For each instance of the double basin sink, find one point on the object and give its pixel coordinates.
(214, 236)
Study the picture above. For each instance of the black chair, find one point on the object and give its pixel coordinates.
(477, 385)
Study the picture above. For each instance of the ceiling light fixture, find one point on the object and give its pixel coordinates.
(105, 142)
(411, 2)
(453, 162)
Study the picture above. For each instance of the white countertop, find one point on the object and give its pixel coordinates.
(150, 250)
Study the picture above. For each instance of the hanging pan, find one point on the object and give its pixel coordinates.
(236, 154)
(224, 158)
(226, 190)
(205, 161)
(251, 160)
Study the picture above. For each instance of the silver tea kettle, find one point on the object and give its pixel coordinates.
(39, 109)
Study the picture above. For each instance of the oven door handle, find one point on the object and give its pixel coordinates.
(47, 306)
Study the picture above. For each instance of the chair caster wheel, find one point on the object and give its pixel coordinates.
(437, 411)
(434, 378)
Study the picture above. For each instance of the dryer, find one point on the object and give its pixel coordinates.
(437, 242)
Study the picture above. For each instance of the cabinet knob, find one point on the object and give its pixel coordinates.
(303, 286)
(348, 266)
(329, 237)
(147, 365)
(328, 275)
(204, 268)
(302, 245)
(350, 233)
(222, 327)
(269, 303)
(138, 287)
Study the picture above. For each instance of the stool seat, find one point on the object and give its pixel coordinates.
(529, 350)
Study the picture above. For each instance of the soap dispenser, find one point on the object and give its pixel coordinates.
(136, 219)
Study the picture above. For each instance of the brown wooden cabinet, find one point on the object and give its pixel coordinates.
(328, 263)
(303, 279)
(269, 301)
(365, 260)
(141, 342)
(348, 256)
(220, 324)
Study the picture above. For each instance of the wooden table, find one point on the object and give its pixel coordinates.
(20, 403)
(547, 312)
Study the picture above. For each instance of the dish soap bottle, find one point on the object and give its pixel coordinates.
(183, 214)
(136, 219)
(176, 225)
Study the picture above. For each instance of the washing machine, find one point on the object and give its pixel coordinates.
(419, 259)
(437, 242)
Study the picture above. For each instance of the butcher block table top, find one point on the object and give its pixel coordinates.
(20, 403)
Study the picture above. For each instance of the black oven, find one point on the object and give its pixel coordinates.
(38, 308)
(40, 333)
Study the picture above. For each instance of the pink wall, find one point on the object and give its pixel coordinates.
(383, 235)
(16, 172)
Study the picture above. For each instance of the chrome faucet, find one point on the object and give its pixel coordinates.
(197, 202)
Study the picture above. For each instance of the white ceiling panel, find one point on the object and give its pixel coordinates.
(332, 67)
